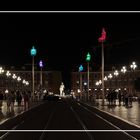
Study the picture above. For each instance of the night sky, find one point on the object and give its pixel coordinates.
(62, 40)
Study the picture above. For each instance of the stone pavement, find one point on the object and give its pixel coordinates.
(130, 114)
(6, 113)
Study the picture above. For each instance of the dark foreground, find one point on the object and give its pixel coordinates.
(67, 120)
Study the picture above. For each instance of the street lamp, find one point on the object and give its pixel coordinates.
(6, 91)
(133, 66)
(105, 78)
(116, 73)
(123, 70)
(80, 70)
(8, 73)
(18, 79)
(102, 39)
(1, 70)
(14, 76)
(41, 66)
(110, 77)
(33, 53)
(100, 82)
(97, 83)
(88, 59)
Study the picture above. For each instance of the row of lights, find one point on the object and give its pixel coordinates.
(108, 89)
(133, 66)
(14, 76)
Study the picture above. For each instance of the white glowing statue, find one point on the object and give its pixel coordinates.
(62, 89)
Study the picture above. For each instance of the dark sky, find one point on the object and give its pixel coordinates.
(62, 40)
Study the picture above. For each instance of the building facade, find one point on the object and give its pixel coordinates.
(51, 81)
(123, 81)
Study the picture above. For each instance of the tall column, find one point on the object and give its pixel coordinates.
(88, 81)
(103, 95)
(33, 77)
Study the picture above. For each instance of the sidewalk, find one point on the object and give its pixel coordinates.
(130, 114)
(6, 114)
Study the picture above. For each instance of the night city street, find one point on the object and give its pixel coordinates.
(69, 75)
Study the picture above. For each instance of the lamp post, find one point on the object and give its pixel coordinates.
(41, 66)
(85, 88)
(133, 66)
(88, 59)
(1, 70)
(116, 73)
(18, 79)
(110, 77)
(123, 70)
(80, 70)
(101, 39)
(33, 53)
(105, 79)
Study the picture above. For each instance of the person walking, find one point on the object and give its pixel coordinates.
(18, 97)
(119, 97)
(12, 100)
(26, 100)
(9, 100)
(126, 95)
(1, 100)
(139, 99)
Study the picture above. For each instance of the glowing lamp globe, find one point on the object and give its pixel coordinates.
(40, 64)
(81, 68)
(88, 57)
(33, 51)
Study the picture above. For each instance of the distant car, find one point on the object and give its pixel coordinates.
(51, 98)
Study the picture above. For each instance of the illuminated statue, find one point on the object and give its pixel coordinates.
(62, 89)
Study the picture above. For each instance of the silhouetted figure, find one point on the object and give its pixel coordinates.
(109, 97)
(26, 100)
(10, 100)
(18, 98)
(119, 97)
(130, 97)
(139, 99)
(126, 98)
(1, 99)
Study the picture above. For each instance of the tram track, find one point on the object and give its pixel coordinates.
(115, 127)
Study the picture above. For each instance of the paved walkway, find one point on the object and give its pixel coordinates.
(131, 114)
(6, 113)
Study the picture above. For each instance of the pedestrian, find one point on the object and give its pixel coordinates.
(18, 97)
(9, 100)
(123, 98)
(119, 97)
(12, 100)
(126, 98)
(1, 100)
(130, 97)
(109, 97)
(26, 100)
(139, 99)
